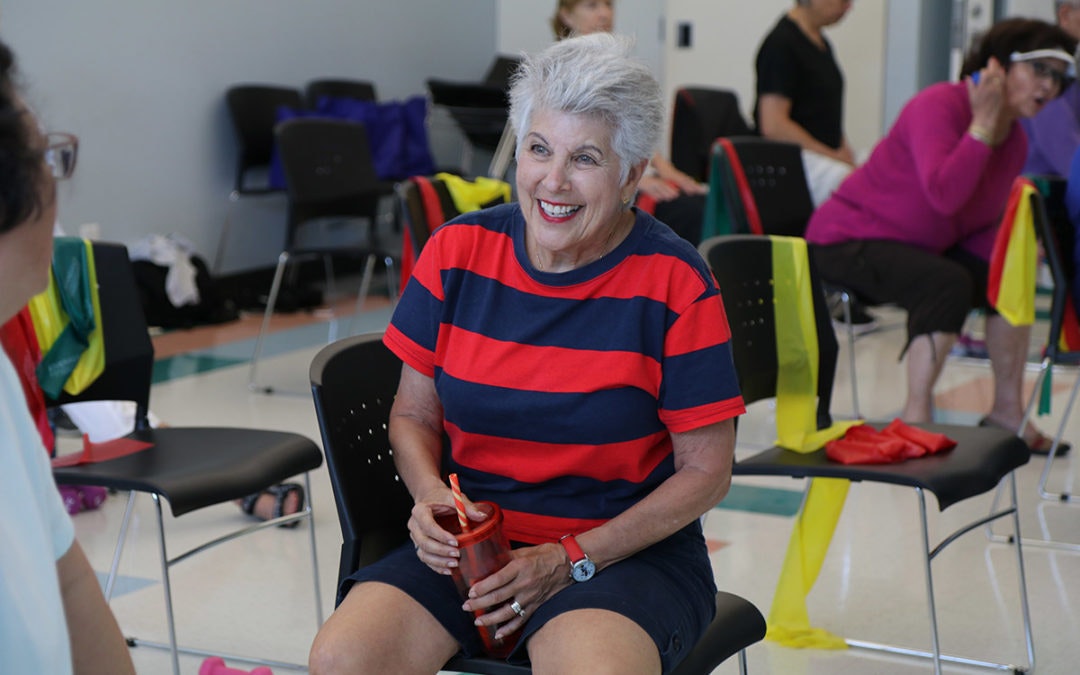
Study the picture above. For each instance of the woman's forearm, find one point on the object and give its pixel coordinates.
(701, 480)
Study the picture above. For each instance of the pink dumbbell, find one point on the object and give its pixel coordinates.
(215, 665)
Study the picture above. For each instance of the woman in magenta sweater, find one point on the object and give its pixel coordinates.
(914, 225)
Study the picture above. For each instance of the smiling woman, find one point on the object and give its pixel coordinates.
(915, 225)
(575, 353)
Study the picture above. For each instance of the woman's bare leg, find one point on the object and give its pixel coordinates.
(593, 641)
(1008, 345)
(925, 359)
(380, 629)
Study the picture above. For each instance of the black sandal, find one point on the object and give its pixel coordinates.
(280, 493)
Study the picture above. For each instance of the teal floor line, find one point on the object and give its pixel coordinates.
(275, 344)
(766, 500)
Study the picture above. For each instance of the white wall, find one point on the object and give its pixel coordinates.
(142, 84)
(526, 27)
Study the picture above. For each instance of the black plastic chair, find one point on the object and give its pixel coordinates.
(766, 193)
(329, 174)
(478, 109)
(502, 70)
(253, 112)
(700, 116)
(189, 467)
(983, 458)
(353, 382)
(361, 90)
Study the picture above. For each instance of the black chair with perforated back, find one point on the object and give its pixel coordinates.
(353, 382)
(700, 116)
(766, 192)
(253, 113)
(360, 90)
(983, 459)
(329, 174)
(189, 467)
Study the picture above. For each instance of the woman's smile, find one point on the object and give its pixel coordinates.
(557, 212)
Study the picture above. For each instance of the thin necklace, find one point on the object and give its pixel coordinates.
(604, 251)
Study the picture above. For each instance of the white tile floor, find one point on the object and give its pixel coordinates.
(253, 596)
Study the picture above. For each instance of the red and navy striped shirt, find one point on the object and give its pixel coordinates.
(560, 390)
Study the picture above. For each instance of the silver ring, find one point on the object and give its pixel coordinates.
(517, 608)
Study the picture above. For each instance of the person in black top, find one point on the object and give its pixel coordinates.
(800, 99)
(800, 89)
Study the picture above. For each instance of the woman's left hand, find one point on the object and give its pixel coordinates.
(535, 574)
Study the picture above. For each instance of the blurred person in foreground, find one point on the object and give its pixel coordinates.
(575, 352)
(53, 616)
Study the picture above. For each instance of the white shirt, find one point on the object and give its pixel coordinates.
(35, 531)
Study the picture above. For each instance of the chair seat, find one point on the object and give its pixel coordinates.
(982, 456)
(195, 467)
(738, 624)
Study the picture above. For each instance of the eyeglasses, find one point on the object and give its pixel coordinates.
(1045, 71)
(61, 151)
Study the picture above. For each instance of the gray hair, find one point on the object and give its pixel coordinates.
(593, 75)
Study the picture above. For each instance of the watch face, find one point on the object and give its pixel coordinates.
(583, 570)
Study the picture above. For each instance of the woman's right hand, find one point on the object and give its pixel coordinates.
(987, 96)
(437, 548)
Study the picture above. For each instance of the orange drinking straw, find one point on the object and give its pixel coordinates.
(459, 503)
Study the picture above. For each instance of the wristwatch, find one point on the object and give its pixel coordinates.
(581, 568)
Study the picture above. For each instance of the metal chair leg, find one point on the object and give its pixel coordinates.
(223, 240)
(167, 586)
(929, 554)
(314, 553)
(275, 288)
(845, 300)
(1043, 492)
(114, 568)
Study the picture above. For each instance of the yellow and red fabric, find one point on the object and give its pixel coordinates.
(1014, 259)
(18, 340)
(466, 195)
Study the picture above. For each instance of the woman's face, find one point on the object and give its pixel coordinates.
(1030, 85)
(590, 16)
(829, 12)
(569, 188)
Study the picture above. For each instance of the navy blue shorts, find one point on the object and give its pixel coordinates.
(667, 589)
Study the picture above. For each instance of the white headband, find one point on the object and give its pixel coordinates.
(1059, 54)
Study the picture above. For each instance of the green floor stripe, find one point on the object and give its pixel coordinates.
(771, 501)
(183, 365)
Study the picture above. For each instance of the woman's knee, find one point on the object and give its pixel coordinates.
(593, 641)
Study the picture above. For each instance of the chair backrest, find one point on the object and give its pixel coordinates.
(767, 185)
(743, 266)
(700, 116)
(424, 214)
(329, 171)
(353, 382)
(253, 109)
(479, 110)
(129, 353)
(502, 70)
(1055, 233)
(361, 90)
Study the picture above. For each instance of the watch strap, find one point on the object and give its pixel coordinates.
(573, 549)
